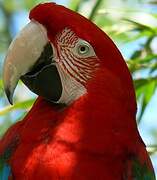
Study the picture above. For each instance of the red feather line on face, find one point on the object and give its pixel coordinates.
(79, 68)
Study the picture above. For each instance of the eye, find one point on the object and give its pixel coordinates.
(83, 49)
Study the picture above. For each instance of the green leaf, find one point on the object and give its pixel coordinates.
(145, 89)
(1, 83)
(138, 83)
(75, 5)
(9, 5)
(154, 68)
(152, 2)
(136, 54)
(21, 105)
(94, 10)
(140, 27)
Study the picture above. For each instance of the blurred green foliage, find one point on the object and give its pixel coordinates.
(126, 22)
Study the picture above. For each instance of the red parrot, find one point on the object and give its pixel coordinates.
(83, 124)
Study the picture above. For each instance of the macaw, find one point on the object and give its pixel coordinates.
(83, 124)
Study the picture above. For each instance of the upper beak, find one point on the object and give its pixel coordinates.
(24, 53)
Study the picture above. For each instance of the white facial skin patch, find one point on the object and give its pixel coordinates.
(76, 62)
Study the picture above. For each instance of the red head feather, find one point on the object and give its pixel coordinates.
(56, 17)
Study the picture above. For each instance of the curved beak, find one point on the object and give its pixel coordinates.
(25, 55)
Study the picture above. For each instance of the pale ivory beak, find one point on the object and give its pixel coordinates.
(22, 54)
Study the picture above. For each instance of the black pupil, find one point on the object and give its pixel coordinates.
(83, 48)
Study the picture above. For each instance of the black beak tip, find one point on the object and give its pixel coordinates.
(9, 96)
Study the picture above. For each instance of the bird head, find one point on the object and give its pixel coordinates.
(59, 53)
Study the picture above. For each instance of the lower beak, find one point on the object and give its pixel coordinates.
(30, 58)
